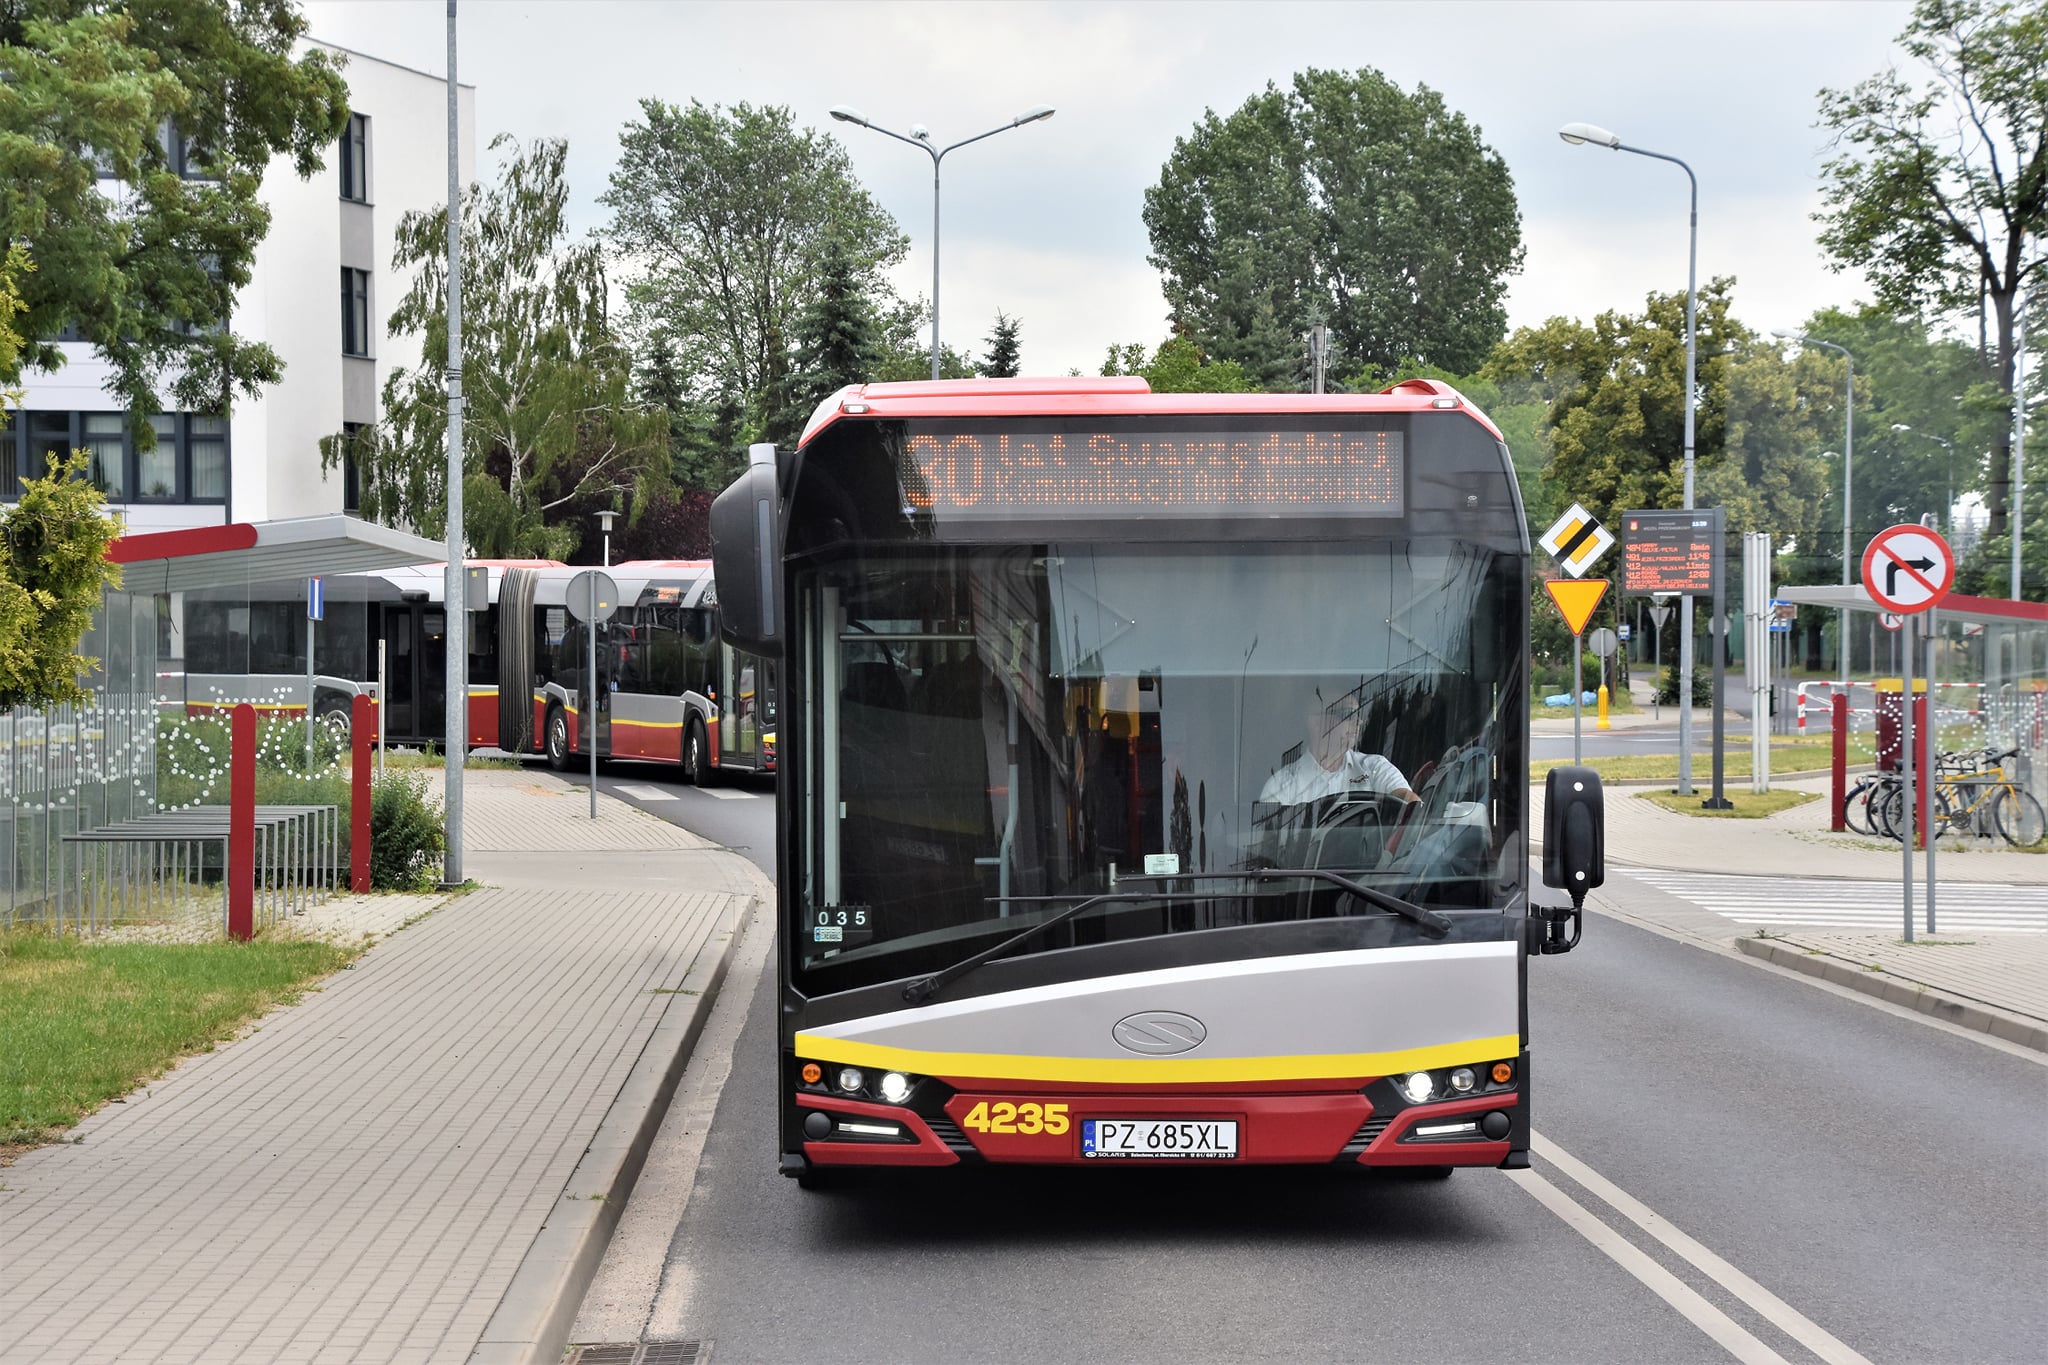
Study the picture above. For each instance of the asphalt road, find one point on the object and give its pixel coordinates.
(1880, 1183)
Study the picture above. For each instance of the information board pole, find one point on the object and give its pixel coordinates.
(1718, 636)
(1906, 768)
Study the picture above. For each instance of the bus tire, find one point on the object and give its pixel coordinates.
(555, 738)
(697, 756)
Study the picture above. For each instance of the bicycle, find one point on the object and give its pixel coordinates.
(1996, 799)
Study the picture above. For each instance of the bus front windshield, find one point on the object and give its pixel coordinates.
(994, 733)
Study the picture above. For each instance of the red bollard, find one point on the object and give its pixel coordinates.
(361, 728)
(1838, 717)
(242, 823)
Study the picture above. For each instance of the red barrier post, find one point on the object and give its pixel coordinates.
(242, 823)
(361, 728)
(1838, 717)
(1923, 736)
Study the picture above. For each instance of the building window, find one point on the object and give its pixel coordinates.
(156, 469)
(49, 438)
(355, 312)
(104, 438)
(351, 478)
(207, 441)
(355, 159)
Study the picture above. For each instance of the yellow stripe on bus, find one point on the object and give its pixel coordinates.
(1152, 1070)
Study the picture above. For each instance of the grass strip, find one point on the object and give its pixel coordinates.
(88, 1022)
(1787, 756)
(1746, 805)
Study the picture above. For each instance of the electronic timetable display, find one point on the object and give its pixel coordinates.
(1670, 552)
(962, 472)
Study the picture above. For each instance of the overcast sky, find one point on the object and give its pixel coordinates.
(1043, 221)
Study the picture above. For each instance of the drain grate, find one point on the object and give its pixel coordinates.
(642, 1353)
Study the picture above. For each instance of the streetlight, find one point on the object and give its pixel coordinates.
(1587, 134)
(921, 138)
(604, 520)
(1848, 463)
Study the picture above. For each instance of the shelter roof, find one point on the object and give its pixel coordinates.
(253, 552)
(1956, 606)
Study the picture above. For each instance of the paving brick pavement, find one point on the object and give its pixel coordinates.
(360, 1177)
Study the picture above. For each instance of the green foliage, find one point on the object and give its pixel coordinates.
(1939, 192)
(1986, 569)
(907, 345)
(837, 340)
(551, 426)
(1702, 683)
(407, 833)
(1003, 357)
(1343, 198)
(729, 215)
(88, 1022)
(148, 276)
(51, 579)
(14, 264)
(1178, 366)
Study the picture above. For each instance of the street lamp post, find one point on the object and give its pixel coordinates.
(921, 139)
(1948, 507)
(604, 520)
(1848, 463)
(1583, 134)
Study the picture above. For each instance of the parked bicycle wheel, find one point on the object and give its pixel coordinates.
(2019, 818)
(1889, 811)
(1857, 803)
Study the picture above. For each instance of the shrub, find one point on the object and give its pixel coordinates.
(407, 833)
(1702, 684)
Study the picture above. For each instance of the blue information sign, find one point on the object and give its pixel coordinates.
(316, 600)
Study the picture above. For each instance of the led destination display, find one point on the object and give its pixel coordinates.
(1669, 552)
(1131, 473)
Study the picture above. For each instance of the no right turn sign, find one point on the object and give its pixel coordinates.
(1908, 569)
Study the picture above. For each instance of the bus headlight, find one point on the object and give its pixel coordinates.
(895, 1087)
(1418, 1086)
(850, 1079)
(1462, 1079)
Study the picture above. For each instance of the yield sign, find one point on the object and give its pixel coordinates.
(1576, 598)
(1908, 568)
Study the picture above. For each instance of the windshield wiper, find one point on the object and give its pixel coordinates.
(924, 988)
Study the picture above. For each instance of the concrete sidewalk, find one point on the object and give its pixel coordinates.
(1995, 983)
(408, 1164)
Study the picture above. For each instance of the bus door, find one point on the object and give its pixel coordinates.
(739, 710)
(415, 671)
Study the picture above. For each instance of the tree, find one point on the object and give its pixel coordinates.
(1002, 359)
(1939, 193)
(550, 424)
(907, 345)
(185, 102)
(14, 264)
(728, 215)
(52, 573)
(1345, 199)
(837, 343)
(1178, 366)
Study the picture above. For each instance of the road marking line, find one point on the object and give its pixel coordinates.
(1726, 1332)
(645, 793)
(1769, 1306)
(728, 794)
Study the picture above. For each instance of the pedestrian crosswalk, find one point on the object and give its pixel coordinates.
(646, 793)
(1773, 902)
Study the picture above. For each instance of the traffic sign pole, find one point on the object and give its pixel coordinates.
(1906, 808)
(1719, 635)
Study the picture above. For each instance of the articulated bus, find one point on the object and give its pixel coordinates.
(668, 690)
(1155, 777)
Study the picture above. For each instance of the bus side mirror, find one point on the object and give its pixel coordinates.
(1574, 832)
(746, 562)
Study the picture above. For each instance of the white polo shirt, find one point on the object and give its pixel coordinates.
(1307, 780)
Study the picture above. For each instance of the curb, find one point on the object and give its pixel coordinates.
(1898, 991)
(531, 1323)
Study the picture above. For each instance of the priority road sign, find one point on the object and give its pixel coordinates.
(1908, 569)
(1576, 598)
(1576, 541)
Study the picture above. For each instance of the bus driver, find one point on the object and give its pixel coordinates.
(1331, 764)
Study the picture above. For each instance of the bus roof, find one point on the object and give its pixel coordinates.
(1115, 396)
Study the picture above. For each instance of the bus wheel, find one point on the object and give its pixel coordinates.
(558, 739)
(697, 756)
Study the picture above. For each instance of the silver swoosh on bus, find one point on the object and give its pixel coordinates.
(1159, 1033)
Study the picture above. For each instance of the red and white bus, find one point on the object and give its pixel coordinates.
(1155, 777)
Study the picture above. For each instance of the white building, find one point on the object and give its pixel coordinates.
(321, 289)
